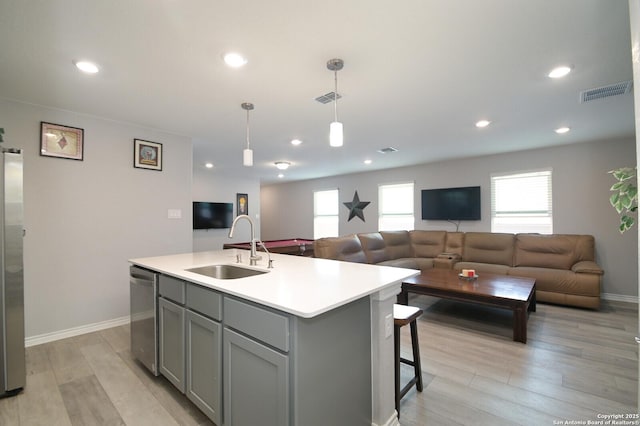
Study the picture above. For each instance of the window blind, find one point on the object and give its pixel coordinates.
(395, 207)
(522, 202)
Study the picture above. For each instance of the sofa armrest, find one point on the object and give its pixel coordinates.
(446, 260)
(587, 267)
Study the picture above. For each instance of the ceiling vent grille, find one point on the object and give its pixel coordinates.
(387, 150)
(328, 97)
(606, 91)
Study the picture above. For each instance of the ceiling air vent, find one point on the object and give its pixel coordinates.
(606, 91)
(328, 97)
(387, 150)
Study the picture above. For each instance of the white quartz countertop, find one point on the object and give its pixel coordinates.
(302, 286)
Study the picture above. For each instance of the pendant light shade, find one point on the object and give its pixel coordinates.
(335, 129)
(247, 157)
(335, 134)
(247, 154)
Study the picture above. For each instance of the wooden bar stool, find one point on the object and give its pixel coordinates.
(403, 315)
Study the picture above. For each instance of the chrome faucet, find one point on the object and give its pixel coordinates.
(253, 257)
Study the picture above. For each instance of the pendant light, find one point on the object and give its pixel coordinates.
(335, 129)
(247, 154)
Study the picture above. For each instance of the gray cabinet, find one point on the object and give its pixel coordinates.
(190, 338)
(256, 383)
(171, 329)
(203, 342)
(256, 365)
(246, 364)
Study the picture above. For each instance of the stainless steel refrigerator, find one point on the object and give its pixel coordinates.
(12, 353)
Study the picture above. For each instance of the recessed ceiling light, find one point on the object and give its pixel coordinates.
(235, 60)
(562, 130)
(367, 161)
(86, 66)
(559, 72)
(280, 175)
(282, 165)
(296, 142)
(483, 123)
(209, 166)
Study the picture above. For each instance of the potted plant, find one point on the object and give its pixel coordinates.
(625, 196)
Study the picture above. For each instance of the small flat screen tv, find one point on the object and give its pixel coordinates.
(212, 215)
(451, 203)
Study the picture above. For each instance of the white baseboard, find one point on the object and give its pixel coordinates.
(619, 297)
(391, 421)
(76, 331)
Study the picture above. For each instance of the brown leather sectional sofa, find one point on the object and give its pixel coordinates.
(563, 265)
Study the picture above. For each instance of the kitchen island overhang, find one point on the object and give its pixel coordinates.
(308, 288)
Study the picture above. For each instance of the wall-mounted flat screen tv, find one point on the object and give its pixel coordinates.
(212, 215)
(451, 203)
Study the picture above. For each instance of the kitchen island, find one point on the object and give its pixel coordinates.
(307, 342)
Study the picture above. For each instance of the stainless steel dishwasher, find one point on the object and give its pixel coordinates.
(144, 323)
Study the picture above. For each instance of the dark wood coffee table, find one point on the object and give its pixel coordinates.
(517, 294)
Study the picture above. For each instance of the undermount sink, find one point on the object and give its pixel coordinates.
(226, 272)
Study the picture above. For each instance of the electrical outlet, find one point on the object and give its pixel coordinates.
(388, 326)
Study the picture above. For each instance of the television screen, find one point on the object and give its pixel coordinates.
(212, 215)
(451, 203)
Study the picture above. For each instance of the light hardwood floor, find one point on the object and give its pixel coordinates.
(577, 364)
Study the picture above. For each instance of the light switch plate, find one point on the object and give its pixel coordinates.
(174, 214)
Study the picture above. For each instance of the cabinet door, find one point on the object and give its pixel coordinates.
(171, 327)
(256, 383)
(204, 364)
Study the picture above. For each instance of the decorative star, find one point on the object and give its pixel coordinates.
(356, 206)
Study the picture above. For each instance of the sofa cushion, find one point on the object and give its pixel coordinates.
(553, 251)
(454, 243)
(487, 247)
(560, 281)
(347, 248)
(397, 244)
(427, 243)
(374, 247)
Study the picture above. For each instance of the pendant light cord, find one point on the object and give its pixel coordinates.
(335, 96)
(248, 147)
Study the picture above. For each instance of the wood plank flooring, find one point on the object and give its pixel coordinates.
(577, 364)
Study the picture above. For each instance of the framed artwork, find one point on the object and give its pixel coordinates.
(242, 204)
(61, 141)
(147, 155)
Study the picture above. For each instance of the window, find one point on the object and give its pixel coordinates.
(395, 207)
(522, 202)
(325, 214)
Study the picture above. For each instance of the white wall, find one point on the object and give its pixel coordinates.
(209, 186)
(84, 219)
(580, 199)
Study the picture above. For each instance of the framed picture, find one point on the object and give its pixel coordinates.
(242, 204)
(147, 155)
(61, 141)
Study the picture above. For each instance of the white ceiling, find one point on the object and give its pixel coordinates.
(418, 74)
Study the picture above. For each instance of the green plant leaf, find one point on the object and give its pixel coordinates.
(626, 222)
(623, 173)
(625, 196)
